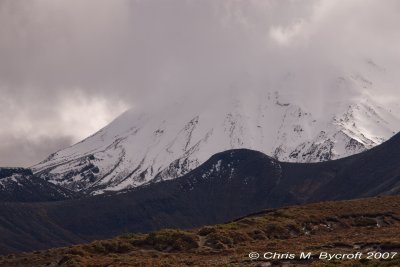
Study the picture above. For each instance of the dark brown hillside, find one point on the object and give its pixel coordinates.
(364, 225)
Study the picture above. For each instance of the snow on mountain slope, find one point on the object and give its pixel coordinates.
(143, 146)
(20, 185)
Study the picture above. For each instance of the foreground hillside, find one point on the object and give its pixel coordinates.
(365, 225)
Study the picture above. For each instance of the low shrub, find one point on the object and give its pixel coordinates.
(169, 240)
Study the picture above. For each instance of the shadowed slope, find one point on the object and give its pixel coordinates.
(229, 185)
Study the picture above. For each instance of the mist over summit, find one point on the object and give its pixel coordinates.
(65, 74)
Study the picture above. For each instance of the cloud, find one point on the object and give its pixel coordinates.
(285, 35)
(22, 151)
(69, 66)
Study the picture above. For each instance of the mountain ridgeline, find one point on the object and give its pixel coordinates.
(229, 185)
(20, 185)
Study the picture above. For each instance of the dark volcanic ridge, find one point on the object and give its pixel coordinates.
(229, 185)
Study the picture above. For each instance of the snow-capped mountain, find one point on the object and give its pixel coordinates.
(152, 144)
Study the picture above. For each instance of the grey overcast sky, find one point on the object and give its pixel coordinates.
(68, 67)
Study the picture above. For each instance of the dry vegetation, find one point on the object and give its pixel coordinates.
(346, 226)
